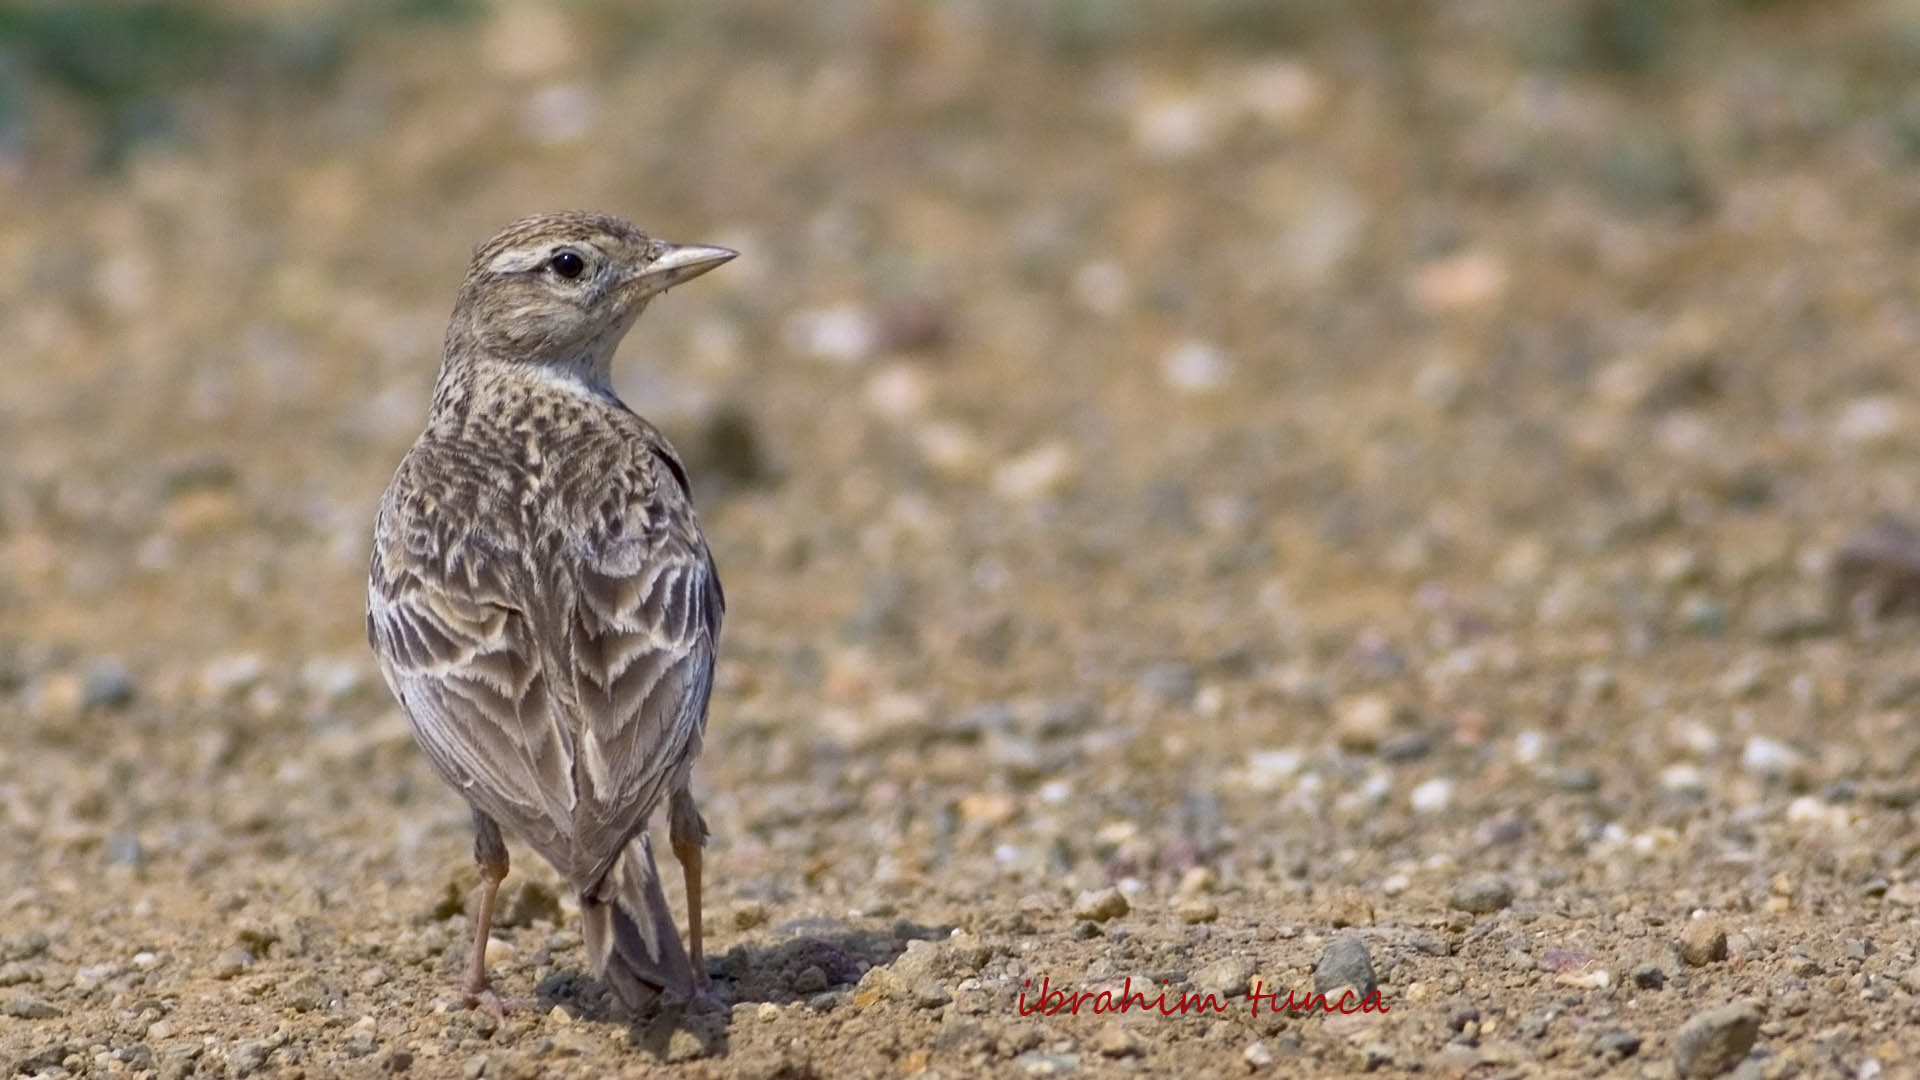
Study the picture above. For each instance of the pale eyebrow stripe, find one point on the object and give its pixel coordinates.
(518, 259)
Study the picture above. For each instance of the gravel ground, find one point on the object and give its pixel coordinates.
(1212, 498)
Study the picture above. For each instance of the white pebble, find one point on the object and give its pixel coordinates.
(1266, 769)
(1809, 810)
(1035, 474)
(948, 446)
(1697, 738)
(1869, 419)
(843, 334)
(1683, 778)
(1529, 747)
(1432, 796)
(1769, 757)
(899, 391)
(1195, 367)
(1178, 127)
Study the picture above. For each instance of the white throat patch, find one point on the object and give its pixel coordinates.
(570, 380)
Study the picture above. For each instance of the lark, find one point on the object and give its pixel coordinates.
(541, 598)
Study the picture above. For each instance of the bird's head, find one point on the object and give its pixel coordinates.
(561, 289)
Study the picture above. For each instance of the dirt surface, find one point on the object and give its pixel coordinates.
(1210, 495)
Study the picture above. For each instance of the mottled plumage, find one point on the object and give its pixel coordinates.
(541, 599)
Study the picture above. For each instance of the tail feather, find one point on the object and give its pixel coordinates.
(631, 939)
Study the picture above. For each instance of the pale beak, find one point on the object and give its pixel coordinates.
(677, 263)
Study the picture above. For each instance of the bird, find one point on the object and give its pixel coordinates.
(542, 602)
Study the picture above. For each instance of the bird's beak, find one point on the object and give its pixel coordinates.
(677, 263)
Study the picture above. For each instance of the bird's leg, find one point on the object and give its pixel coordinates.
(687, 831)
(490, 852)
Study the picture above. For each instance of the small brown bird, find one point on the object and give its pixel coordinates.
(541, 598)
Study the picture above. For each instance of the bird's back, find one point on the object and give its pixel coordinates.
(544, 606)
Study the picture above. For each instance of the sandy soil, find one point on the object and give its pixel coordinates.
(1209, 496)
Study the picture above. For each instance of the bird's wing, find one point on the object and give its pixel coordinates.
(450, 627)
(640, 636)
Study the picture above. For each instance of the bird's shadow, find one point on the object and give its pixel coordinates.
(817, 961)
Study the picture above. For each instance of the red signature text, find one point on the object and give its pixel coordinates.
(1052, 1001)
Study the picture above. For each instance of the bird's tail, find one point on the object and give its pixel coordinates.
(630, 935)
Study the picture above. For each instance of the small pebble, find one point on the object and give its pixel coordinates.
(1401, 749)
(1174, 127)
(845, 334)
(927, 993)
(1432, 796)
(1617, 1045)
(1345, 962)
(1035, 474)
(1362, 723)
(108, 685)
(1870, 419)
(1035, 1063)
(1116, 1041)
(29, 1007)
(1197, 880)
(1197, 909)
(230, 963)
(1229, 977)
(1462, 282)
(899, 391)
(1770, 758)
(1714, 1041)
(1099, 905)
(1348, 907)
(1702, 942)
(1195, 367)
(247, 1057)
(1482, 895)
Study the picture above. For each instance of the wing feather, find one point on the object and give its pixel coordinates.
(462, 658)
(643, 636)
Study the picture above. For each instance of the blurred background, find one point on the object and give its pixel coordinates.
(1314, 442)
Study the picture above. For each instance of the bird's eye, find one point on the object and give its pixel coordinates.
(567, 264)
